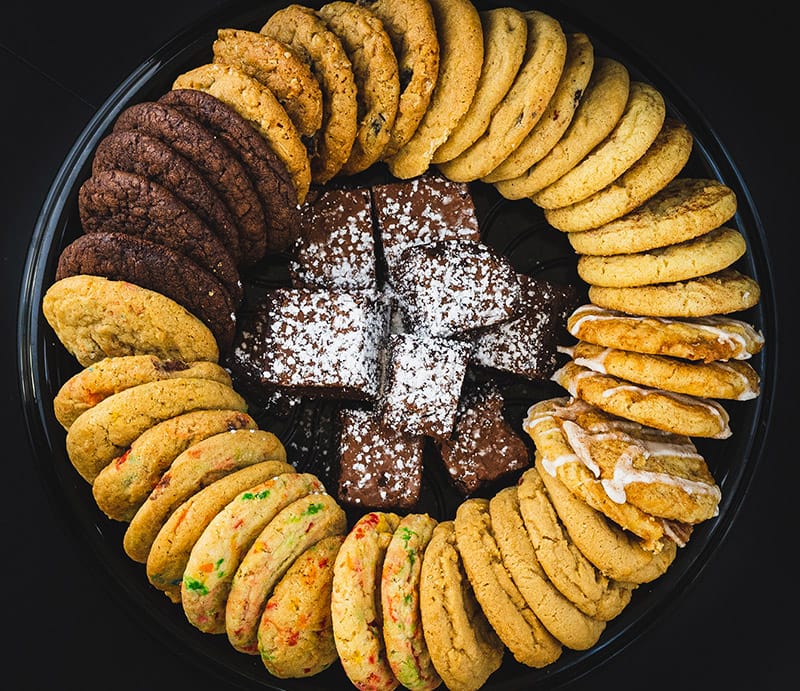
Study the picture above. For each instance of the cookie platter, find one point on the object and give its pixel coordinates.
(516, 229)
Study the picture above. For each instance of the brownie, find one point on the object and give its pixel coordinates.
(136, 152)
(455, 287)
(116, 201)
(316, 343)
(336, 249)
(268, 172)
(380, 467)
(422, 210)
(424, 376)
(484, 447)
(123, 257)
(215, 160)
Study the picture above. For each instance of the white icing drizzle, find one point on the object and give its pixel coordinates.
(551, 466)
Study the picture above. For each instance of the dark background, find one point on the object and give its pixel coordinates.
(736, 626)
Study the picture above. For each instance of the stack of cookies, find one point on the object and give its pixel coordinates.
(393, 304)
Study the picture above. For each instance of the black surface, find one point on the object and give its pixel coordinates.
(734, 627)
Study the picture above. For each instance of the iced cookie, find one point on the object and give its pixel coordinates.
(464, 647)
(505, 607)
(356, 601)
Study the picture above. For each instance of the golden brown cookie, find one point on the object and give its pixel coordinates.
(691, 416)
(657, 167)
(504, 606)
(686, 208)
(463, 645)
(199, 465)
(702, 338)
(295, 634)
(376, 75)
(560, 616)
(601, 107)
(105, 431)
(578, 67)
(305, 31)
(504, 32)
(125, 483)
(458, 30)
(94, 318)
(256, 103)
(278, 67)
(412, 31)
(522, 106)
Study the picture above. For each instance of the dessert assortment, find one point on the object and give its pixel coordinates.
(396, 309)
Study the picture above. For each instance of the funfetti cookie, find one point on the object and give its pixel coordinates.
(504, 32)
(461, 50)
(305, 31)
(522, 106)
(94, 317)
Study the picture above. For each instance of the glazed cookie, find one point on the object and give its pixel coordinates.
(212, 157)
(601, 107)
(94, 318)
(156, 267)
(542, 426)
(412, 31)
(173, 544)
(504, 31)
(276, 65)
(406, 650)
(114, 201)
(561, 617)
(461, 50)
(111, 375)
(376, 74)
(707, 254)
(637, 128)
(733, 380)
(268, 171)
(106, 430)
(202, 463)
(617, 553)
(659, 472)
(356, 601)
(219, 550)
(504, 606)
(691, 416)
(722, 292)
(257, 104)
(463, 646)
(124, 484)
(657, 167)
(561, 108)
(522, 106)
(684, 209)
(305, 31)
(137, 152)
(568, 569)
(295, 634)
(294, 529)
(702, 338)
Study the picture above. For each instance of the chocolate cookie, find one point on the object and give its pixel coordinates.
(212, 157)
(136, 152)
(114, 201)
(122, 257)
(269, 173)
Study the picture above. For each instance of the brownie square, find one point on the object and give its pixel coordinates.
(452, 288)
(423, 384)
(484, 447)
(316, 343)
(336, 247)
(380, 467)
(422, 210)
